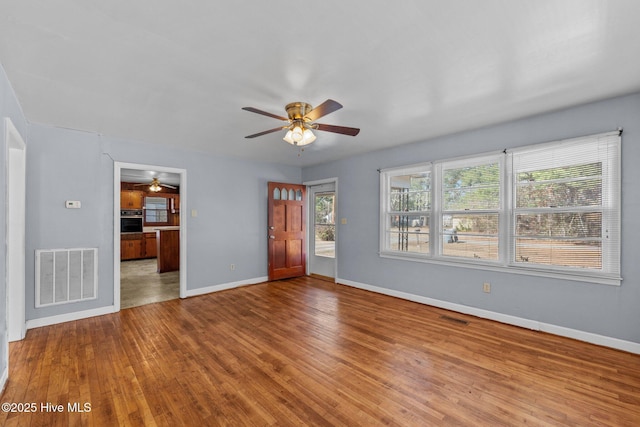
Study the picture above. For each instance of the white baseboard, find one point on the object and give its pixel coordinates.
(52, 320)
(225, 286)
(589, 337)
(77, 315)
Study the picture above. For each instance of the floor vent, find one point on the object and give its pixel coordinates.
(454, 319)
(66, 275)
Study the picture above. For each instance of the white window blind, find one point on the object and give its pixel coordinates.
(566, 199)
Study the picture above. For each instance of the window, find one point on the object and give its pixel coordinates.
(155, 210)
(406, 211)
(324, 224)
(551, 209)
(566, 205)
(471, 208)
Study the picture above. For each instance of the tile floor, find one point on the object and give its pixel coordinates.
(140, 284)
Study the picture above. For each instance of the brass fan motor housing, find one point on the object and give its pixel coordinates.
(297, 110)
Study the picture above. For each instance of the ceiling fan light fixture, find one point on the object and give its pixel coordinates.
(155, 185)
(301, 120)
(307, 137)
(288, 137)
(299, 136)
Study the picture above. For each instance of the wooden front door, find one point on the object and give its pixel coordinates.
(287, 230)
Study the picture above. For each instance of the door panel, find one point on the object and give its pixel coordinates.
(286, 222)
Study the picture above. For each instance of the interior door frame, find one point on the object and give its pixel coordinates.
(310, 210)
(117, 172)
(15, 223)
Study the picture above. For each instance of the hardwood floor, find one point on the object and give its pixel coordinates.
(309, 352)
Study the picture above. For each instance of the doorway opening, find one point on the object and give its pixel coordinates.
(150, 234)
(322, 228)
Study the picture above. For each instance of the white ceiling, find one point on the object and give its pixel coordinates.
(178, 73)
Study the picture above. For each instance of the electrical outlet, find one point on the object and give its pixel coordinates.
(486, 287)
(232, 267)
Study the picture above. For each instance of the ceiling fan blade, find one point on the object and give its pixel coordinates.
(264, 113)
(337, 129)
(168, 186)
(266, 132)
(328, 106)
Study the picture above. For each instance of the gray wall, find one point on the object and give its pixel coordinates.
(229, 195)
(9, 107)
(605, 310)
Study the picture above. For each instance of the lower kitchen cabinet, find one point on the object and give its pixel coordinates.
(131, 246)
(138, 246)
(150, 246)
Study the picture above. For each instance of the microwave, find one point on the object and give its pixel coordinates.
(131, 224)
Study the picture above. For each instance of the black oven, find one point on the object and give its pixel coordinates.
(131, 221)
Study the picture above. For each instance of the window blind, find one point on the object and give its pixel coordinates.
(566, 204)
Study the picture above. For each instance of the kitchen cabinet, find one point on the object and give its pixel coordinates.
(131, 246)
(138, 246)
(131, 199)
(150, 245)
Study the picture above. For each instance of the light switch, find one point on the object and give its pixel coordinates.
(343, 221)
(72, 204)
(194, 213)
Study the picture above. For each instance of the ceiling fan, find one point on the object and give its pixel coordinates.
(156, 186)
(301, 121)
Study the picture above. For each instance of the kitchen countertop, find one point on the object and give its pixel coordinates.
(153, 229)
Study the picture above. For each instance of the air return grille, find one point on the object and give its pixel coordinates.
(66, 275)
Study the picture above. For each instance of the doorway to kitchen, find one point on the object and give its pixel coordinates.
(149, 234)
(322, 197)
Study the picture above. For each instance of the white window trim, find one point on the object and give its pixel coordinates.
(506, 222)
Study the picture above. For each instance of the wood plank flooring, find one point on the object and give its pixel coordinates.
(309, 352)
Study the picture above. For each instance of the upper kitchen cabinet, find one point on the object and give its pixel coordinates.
(131, 199)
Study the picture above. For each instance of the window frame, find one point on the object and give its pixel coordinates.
(608, 274)
(386, 212)
(157, 211)
(473, 161)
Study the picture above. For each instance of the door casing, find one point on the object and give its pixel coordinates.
(15, 232)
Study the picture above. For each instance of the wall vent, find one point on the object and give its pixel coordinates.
(66, 275)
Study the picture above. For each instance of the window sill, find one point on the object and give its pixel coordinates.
(588, 277)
